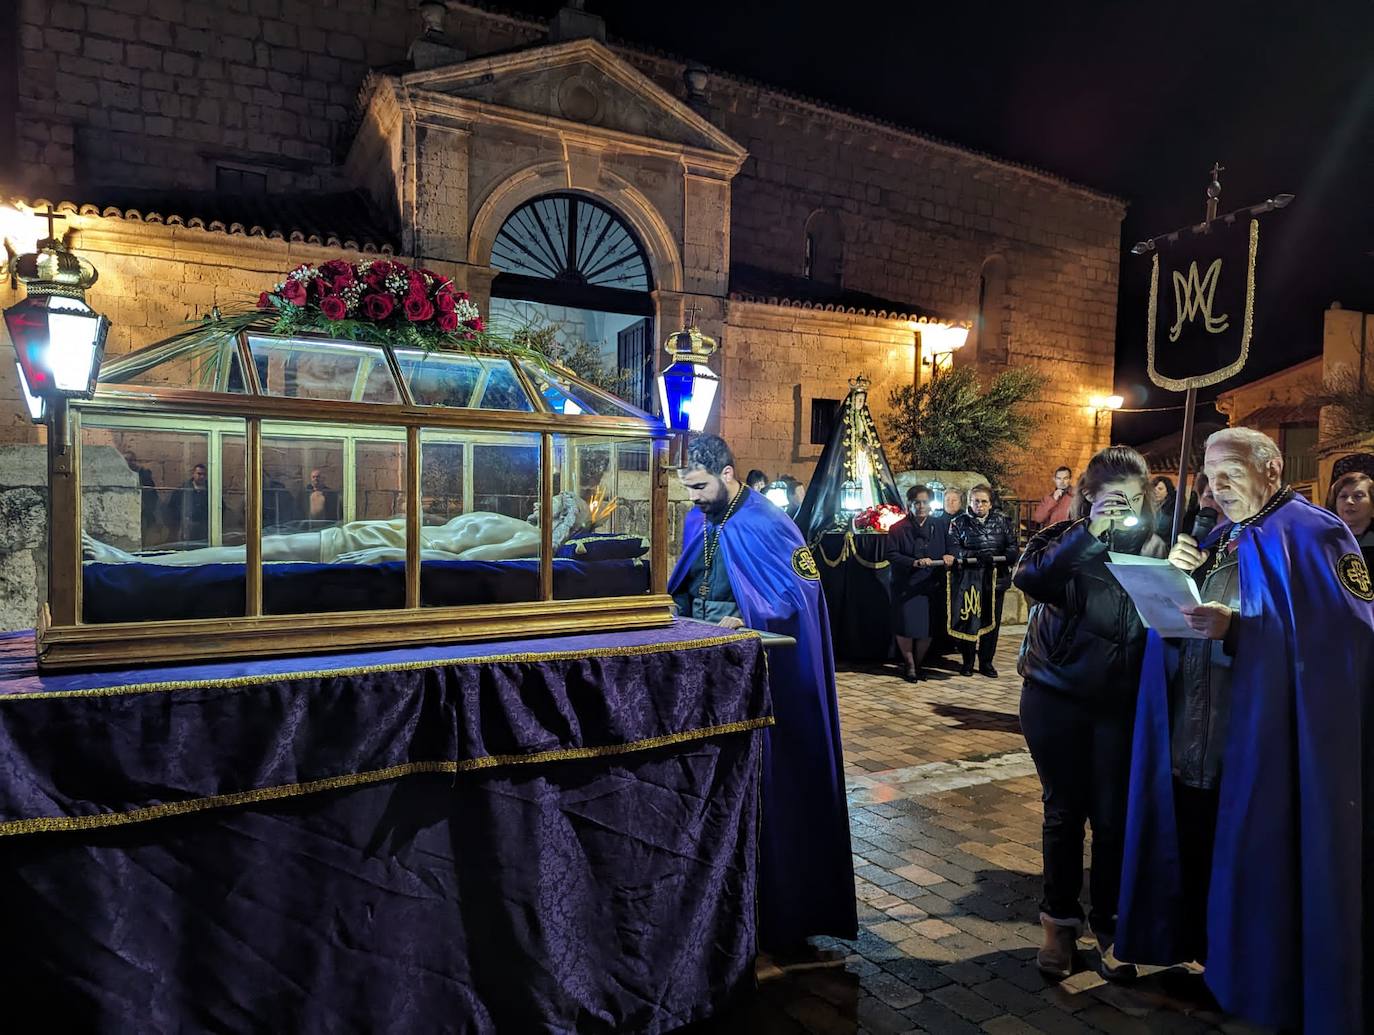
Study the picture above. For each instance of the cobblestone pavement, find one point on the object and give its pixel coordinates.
(944, 808)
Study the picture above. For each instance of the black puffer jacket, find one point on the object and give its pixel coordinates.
(1085, 638)
(992, 537)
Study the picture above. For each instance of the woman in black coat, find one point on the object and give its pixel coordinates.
(915, 546)
(1164, 497)
(1081, 665)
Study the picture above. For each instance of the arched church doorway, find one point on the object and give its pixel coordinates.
(571, 264)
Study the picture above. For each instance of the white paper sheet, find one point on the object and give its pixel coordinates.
(1159, 591)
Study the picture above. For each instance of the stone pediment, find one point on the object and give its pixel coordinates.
(580, 84)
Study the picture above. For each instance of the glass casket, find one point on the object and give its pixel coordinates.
(303, 494)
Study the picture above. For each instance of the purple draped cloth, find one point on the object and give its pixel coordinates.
(552, 835)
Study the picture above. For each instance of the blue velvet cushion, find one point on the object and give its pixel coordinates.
(153, 592)
(603, 546)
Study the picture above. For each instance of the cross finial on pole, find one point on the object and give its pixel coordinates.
(1214, 190)
(51, 217)
(691, 314)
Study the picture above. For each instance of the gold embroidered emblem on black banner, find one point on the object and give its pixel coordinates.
(1194, 295)
(972, 606)
(1354, 576)
(804, 564)
(1198, 333)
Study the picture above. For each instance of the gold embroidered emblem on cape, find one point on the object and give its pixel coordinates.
(804, 564)
(1354, 576)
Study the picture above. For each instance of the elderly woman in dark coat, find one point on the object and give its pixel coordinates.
(915, 547)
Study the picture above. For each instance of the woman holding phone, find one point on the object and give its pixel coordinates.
(1081, 665)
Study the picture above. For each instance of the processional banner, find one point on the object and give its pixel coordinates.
(1202, 304)
(969, 593)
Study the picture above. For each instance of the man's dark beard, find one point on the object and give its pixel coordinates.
(715, 511)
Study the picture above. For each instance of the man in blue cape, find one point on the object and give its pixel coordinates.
(1264, 883)
(744, 564)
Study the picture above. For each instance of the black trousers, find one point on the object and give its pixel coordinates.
(987, 645)
(1082, 752)
(1195, 810)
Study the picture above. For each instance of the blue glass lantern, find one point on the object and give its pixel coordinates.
(687, 388)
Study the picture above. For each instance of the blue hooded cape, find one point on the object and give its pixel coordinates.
(1287, 913)
(806, 873)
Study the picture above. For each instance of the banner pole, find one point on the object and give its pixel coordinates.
(1185, 447)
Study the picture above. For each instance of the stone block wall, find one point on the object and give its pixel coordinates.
(153, 280)
(775, 360)
(157, 93)
(110, 502)
(920, 221)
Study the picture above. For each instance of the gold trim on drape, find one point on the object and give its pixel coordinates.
(51, 824)
(233, 682)
(848, 550)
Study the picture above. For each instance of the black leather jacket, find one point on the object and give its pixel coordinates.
(1085, 638)
(1199, 674)
(991, 537)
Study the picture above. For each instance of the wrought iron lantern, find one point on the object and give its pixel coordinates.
(937, 496)
(58, 339)
(851, 498)
(777, 494)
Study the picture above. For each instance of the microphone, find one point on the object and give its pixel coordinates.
(1203, 524)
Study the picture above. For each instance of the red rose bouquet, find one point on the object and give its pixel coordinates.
(374, 300)
(879, 518)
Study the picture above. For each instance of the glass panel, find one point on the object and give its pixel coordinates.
(606, 552)
(234, 464)
(380, 386)
(615, 351)
(380, 479)
(443, 491)
(343, 548)
(196, 361)
(563, 396)
(158, 517)
(481, 490)
(458, 380)
(306, 369)
(502, 390)
(439, 380)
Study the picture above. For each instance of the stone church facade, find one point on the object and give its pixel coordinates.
(201, 150)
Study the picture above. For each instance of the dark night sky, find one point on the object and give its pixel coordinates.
(1134, 98)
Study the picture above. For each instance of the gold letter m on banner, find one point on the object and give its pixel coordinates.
(1193, 295)
(972, 605)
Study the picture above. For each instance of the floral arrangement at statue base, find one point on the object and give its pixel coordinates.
(374, 300)
(879, 518)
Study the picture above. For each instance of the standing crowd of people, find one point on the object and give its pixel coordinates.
(181, 515)
(1224, 775)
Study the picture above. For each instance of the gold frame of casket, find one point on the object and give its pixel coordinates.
(65, 641)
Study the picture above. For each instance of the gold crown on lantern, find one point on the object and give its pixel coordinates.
(52, 268)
